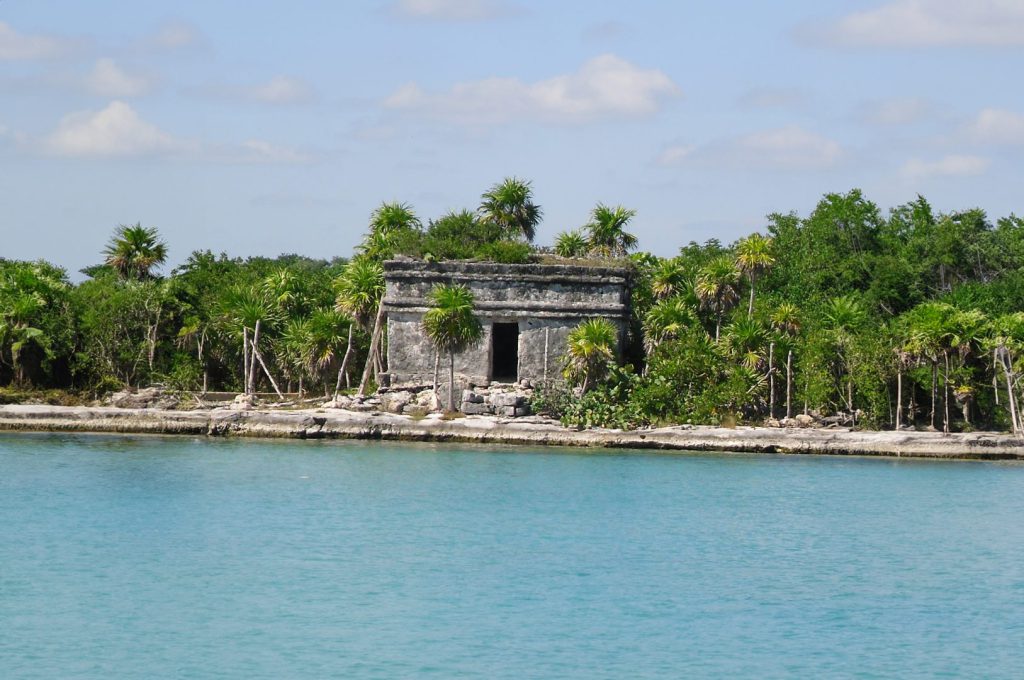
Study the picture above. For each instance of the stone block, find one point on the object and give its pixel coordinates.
(803, 420)
(394, 402)
(506, 399)
(472, 397)
(471, 409)
(415, 410)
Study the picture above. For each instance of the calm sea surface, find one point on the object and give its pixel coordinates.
(132, 557)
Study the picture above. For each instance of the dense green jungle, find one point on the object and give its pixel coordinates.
(905, 318)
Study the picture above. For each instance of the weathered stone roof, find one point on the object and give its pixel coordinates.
(537, 290)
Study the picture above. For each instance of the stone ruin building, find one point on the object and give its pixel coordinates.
(527, 312)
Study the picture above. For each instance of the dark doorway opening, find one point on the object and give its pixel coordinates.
(505, 352)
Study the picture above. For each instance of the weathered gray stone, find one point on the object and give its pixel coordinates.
(472, 397)
(415, 410)
(505, 399)
(394, 402)
(472, 409)
(244, 402)
(546, 301)
(804, 420)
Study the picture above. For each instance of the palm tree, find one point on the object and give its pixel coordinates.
(571, 244)
(325, 334)
(359, 289)
(607, 235)
(928, 332)
(250, 310)
(785, 320)
(745, 341)
(17, 331)
(590, 348)
(134, 251)
(387, 223)
(1007, 344)
(754, 258)
(451, 326)
(668, 278)
(717, 287)
(509, 204)
(844, 316)
(391, 217)
(667, 320)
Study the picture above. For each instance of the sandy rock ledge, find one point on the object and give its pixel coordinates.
(341, 424)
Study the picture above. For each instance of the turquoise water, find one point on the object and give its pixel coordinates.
(193, 558)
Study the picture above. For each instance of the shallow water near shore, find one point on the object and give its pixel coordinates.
(127, 557)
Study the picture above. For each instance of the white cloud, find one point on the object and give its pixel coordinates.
(787, 147)
(926, 23)
(674, 153)
(110, 80)
(282, 90)
(452, 10)
(901, 111)
(947, 166)
(279, 90)
(604, 87)
(15, 46)
(260, 151)
(116, 130)
(997, 126)
(172, 35)
(772, 98)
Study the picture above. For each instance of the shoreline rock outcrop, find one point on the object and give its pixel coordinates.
(531, 431)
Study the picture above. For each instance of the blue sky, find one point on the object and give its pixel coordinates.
(269, 127)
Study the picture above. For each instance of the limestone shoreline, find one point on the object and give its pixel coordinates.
(339, 424)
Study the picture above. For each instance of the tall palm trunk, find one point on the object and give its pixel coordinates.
(451, 380)
(945, 394)
(750, 307)
(437, 367)
(789, 384)
(374, 345)
(1010, 398)
(935, 390)
(245, 360)
(771, 378)
(252, 359)
(899, 398)
(344, 361)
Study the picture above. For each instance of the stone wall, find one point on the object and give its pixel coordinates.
(546, 301)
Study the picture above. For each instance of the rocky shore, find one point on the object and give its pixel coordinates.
(483, 429)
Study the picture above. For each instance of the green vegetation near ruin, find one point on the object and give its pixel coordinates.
(911, 317)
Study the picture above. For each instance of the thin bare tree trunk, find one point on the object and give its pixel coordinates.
(344, 362)
(995, 377)
(750, 307)
(437, 367)
(771, 377)
(899, 398)
(266, 372)
(451, 380)
(374, 344)
(789, 383)
(945, 395)
(1009, 395)
(245, 360)
(935, 390)
(252, 359)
